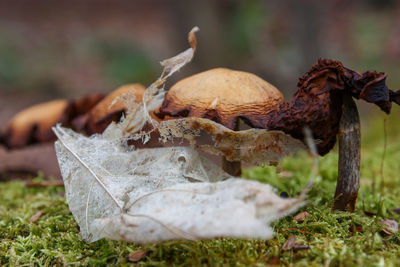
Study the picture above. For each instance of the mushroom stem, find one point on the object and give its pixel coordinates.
(234, 168)
(348, 181)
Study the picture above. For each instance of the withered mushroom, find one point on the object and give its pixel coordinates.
(33, 125)
(323, 103)
(224, 96)
(111, 108)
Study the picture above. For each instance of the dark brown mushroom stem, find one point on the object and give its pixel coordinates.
(348, 181)
(323, 104)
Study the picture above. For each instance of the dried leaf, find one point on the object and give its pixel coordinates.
(137, 255)
(254, 146)
(301, 216)
(36, 216)
(138, 114)
(391, 226)
(150, 195)
(290, 243)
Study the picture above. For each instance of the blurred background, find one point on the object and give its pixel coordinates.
(69, 48)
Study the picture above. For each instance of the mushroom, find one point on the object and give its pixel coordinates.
(224, 96)
(323, 103)
(88, 115)
(33, 125)
(111, 108)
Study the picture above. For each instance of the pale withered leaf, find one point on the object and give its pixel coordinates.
(152, 195)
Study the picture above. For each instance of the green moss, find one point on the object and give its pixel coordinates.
(54, 238)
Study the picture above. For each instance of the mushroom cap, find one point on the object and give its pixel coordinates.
(222, 95)
(112, 106)
(106, 106)
(37, 120)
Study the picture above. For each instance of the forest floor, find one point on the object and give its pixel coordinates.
(324, 237)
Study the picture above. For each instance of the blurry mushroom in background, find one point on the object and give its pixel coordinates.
(88, 115)
(322, 103)
(33, 125)
(224, 96)
(109, 109)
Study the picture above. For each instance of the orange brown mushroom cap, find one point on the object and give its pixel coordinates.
(33, 125)
(36, 120)
(222, 95)
(111, 108)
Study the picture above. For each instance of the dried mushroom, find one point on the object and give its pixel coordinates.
(33, 125)
(111, 107)
(322, 103)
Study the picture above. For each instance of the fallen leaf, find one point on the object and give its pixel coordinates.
(254, 146)
(301, 216)
(137, 255)
(36, 216)
(390, 226)
(355, 228)
(290, 243)
(151, 195)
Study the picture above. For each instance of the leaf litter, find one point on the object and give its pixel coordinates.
(166, 193)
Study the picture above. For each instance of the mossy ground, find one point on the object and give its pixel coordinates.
(54, 239)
